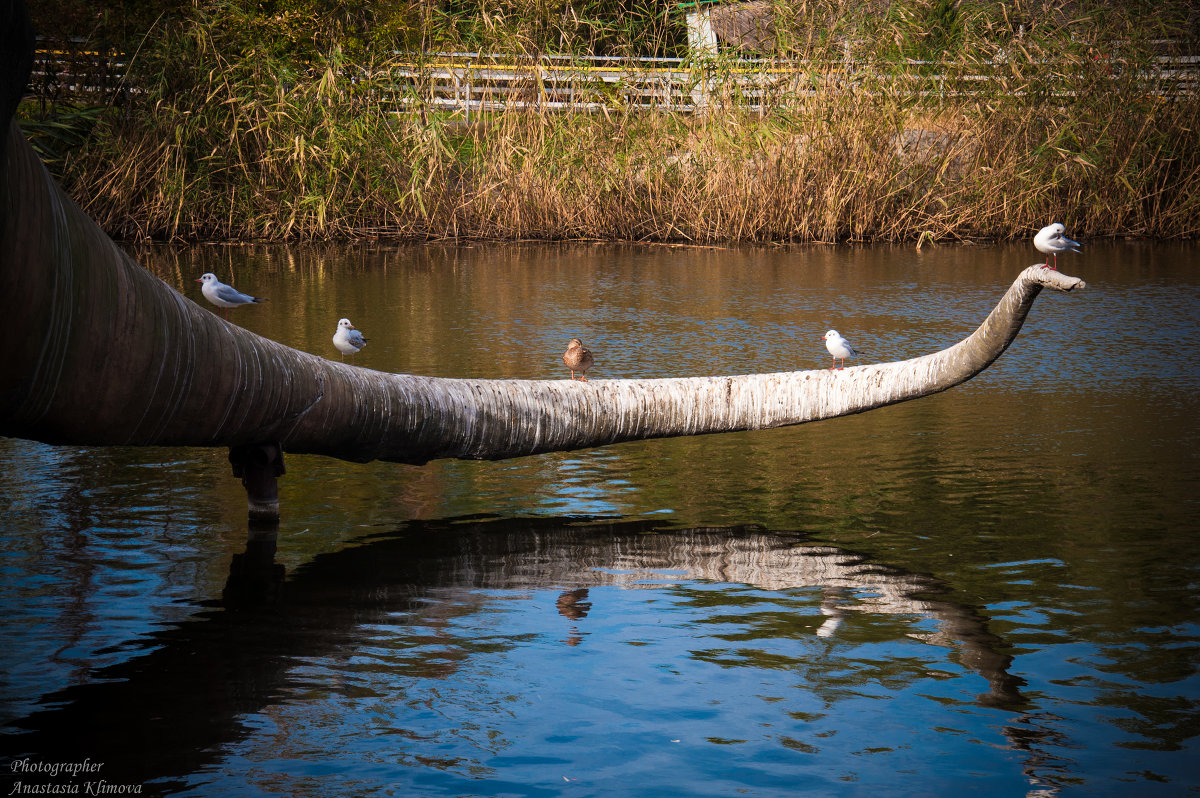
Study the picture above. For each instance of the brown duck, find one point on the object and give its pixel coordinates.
(578, 359)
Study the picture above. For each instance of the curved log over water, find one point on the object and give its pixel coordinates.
(101, 352)
(97, 351)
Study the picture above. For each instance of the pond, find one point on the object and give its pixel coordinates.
(990, 589)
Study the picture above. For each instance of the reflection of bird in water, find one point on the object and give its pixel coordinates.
(832, 609)
(573, 605)
(577, 358)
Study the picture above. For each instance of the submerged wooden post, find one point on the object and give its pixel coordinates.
(259, 465)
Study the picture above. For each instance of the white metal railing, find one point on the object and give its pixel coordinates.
(473, 81)
(470, 82)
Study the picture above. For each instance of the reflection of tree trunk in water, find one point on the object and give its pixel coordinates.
(851, 583)
(98, 351)
(180, 702)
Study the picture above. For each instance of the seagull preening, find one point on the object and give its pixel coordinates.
(577, 358)
(839, 347)
(348, 339)
(224, 296)
(1051, 240)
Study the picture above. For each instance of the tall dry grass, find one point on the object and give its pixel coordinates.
(250, 147)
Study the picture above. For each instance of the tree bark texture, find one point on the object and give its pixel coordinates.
(97, 351)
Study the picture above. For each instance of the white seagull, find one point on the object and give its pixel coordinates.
(839, 347)
(224, 296)
(348, 339)
(1051, 240)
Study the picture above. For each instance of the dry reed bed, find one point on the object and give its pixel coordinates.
(253, 154)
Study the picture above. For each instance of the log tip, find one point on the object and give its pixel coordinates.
(1049, 278)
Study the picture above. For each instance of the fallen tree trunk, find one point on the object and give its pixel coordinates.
(100, 352)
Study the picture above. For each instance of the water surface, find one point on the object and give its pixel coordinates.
(991, 589)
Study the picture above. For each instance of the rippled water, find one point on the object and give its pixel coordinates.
(991, 589)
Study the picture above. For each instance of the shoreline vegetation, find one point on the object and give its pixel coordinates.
(230, 137)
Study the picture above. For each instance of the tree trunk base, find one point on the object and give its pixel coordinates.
(259, 466)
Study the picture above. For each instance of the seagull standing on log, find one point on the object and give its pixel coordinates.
(348, 339)
(1052, 240)
(224, 296)
(839, 347)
